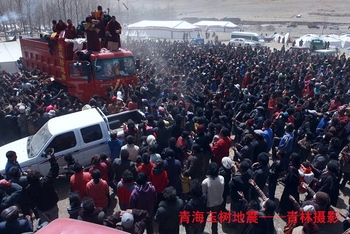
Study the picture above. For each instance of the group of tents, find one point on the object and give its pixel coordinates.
(147, 29)
(335, 41)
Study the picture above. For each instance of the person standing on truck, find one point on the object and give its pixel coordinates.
(54, 24)
(98, 14)
(71, 31)
(92, 34)
(113, 31)
(60, 26)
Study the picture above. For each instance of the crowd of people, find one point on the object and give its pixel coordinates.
(283, 115)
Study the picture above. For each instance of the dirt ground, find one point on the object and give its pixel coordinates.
(335, 11)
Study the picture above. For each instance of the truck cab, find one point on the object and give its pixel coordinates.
(82, 73)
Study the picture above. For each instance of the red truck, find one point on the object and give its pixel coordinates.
(82, 73)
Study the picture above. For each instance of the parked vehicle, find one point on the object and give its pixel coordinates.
(197, 41)
(334, 27)
(313, 26)
(317, 44)
(298, 16)
(82, 73)
(292, 25)
(250, 36)
(81, 134)
(243, 42)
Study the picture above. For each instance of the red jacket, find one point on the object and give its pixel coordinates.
(146, 168)
(78, 183)
(98, 192)
(103, 168)
(159, 180)
(221, 149)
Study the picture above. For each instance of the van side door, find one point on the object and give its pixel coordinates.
(94, 141)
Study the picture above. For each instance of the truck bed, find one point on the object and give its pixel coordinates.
(36, 54)
(116, 121)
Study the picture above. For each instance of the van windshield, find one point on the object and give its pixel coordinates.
(108, 69)
(39, 140)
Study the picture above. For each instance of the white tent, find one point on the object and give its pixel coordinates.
(217, 26)
(333, 40)
(10, 52)
(162, 29)
(306, 39)
(345, 39)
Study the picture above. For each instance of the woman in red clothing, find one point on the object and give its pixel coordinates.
(124, 189)
(132, 105)
(101, 166)
(98, 190)
(221, 147)
(159, 179)
(146, 166)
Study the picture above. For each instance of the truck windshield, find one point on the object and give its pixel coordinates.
(108, 69)
(39, 140)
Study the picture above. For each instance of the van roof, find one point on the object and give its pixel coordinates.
(75, 120)
(246, 33)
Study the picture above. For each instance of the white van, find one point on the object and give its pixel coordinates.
(81, 134)
(248, 36)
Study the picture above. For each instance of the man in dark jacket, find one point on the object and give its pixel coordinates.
(132, 220)
(173, 167)
(9, 194)
(11, 223)
(260, 174)
(197, 203)
(328, 182)
(41, 191)
(121, 164)
(238, 183)
(192, 166)
(168, 212)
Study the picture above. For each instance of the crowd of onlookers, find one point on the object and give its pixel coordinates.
(283, 115)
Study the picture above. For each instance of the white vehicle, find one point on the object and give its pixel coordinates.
(243, 42)
(250, 36)
(81, 134)
(335, 27)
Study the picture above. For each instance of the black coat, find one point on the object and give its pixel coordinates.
(328, 183)
(43, 194)
(168, 216)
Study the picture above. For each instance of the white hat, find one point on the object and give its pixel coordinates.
(86, 107)
(22, 109)
(259, 132)
(151, 140)
(52, 113)
(226, 162)
(309, 208)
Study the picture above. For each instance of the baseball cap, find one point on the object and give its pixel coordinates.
(127, 220)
